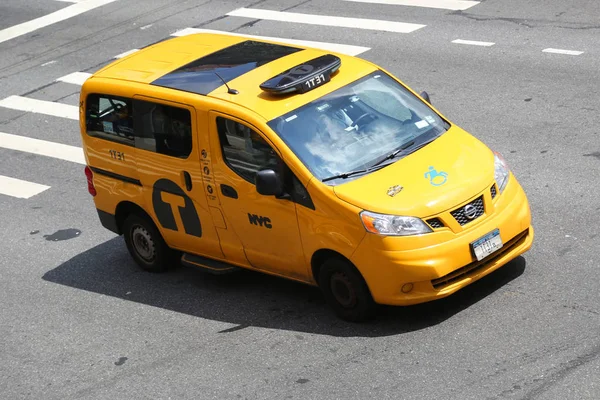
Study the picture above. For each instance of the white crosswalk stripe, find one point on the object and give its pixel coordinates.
(561, 51)
(326, 20)
(473, 42)
(76, 78)
(23, 189)
(42, 147)
(50, 19)
(125, 54)
(41, 107)
(443, 4)
(335, 47)
(20, 188)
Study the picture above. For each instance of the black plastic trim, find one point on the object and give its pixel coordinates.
(300, 194)
(109, 221)
(116, 176)
(208, 264)
(228, 191)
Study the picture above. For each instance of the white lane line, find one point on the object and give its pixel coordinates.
(473, 42)
(76, 78)
(49, 19)
(20, 188)
(335, 47)
(315, 19)
(128, 52)
(443, 4)
(560, 51)
(41, 107)
(42, 147)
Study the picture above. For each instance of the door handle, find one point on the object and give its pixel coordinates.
(188, 180)
(228, 191)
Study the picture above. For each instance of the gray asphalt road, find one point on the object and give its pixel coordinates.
(78, 319)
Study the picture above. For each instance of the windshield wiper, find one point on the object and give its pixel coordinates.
(378, 165)
(346, 175)
(404, 150)
(394, 153)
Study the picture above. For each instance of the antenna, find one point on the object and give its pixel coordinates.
(229, 90)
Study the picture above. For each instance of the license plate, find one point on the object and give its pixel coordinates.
(487, 244)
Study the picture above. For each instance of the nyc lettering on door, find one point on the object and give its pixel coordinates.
(260, 221)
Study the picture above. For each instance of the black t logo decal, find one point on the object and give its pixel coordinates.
(166, 195)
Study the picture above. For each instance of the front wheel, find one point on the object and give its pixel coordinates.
(345, 291)
(146, 245)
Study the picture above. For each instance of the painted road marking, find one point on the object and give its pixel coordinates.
(473, 42)
(40, 106)
(52, 18)
(42, 147)
(560, 51)
(125, 54)
(76, 78)
(20, 188)
(443, 4)
(335, 47)
(315, 19)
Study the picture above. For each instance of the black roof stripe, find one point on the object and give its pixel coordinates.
(200, 76)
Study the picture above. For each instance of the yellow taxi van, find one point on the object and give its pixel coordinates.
(224, 152)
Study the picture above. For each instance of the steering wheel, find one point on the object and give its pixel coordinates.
(361, 118)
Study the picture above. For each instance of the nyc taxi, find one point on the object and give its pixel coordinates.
(224, 152)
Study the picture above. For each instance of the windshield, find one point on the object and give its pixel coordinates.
(357, 126)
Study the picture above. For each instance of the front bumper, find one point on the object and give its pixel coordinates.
(438, 264)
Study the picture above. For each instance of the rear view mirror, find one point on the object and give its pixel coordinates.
(268, 183)
(425, 96)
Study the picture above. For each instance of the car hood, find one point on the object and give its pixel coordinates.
(435, 178)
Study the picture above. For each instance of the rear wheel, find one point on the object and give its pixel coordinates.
(345, 291)
(146, 245)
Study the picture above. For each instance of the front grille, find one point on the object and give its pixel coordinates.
(493, 191)
(460, 215)
(476, 266)
(435, 223)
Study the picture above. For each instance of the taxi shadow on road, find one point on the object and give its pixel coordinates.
(249, 298)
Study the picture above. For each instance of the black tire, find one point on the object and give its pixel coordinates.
(146, 245)
(345, 291)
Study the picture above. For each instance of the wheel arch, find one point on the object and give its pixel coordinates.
(322, 255)
(126, 208)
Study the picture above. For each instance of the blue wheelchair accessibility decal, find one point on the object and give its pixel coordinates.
(436, 178)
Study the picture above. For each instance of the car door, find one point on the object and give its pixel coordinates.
(168, 161)
(266, 226)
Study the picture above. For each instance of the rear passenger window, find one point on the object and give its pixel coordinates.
(163, 129)
(110, 118)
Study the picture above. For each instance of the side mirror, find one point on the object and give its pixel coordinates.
(268, 183)
(425, 97)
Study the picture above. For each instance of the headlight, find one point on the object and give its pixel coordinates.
(393, 225)
(501, 171)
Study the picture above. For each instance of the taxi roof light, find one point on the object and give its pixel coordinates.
(304, 77)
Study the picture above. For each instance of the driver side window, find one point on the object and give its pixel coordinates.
(244, 150)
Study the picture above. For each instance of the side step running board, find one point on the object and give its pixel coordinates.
(207, 264)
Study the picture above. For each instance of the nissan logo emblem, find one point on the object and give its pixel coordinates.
(470, 211)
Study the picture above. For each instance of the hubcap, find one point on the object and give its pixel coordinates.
(342, 290)
(143, 244)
